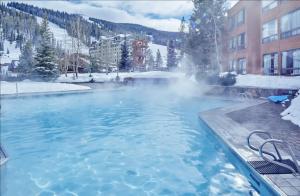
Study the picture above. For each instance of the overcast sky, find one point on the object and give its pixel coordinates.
(162, 15)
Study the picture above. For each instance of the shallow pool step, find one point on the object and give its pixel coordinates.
(265, 167)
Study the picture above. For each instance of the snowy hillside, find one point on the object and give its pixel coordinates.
(13, 54)
(62, 36)
(162, 49)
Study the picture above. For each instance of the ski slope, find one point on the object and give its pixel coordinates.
(162, 49)
(61, 35)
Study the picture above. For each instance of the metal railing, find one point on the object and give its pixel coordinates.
(276, 160)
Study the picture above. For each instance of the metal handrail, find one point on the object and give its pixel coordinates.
(256, 149)
(276, 162)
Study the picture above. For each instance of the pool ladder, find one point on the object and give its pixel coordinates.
(3, 155)
(276, 160)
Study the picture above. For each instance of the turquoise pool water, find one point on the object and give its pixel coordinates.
(121, 142)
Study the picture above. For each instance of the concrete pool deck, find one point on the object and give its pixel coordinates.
(234, 123)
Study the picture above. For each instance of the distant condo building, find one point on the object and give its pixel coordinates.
(263, 37)
(107, 51)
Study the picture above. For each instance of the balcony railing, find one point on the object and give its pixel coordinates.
(294, 71)
(271, 71)
(270, 39)
(290, 33)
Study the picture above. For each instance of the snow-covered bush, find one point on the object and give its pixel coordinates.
(227, 78)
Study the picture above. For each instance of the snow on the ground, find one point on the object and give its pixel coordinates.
(102, 77)
(8, 88)
(61, 35)
(14, 53)
(292, 113)
(263, 81)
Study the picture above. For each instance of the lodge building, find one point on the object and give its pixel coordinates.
(263, 37)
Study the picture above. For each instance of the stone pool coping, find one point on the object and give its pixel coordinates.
(234, 136)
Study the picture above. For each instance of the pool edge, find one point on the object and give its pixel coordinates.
(219, 131)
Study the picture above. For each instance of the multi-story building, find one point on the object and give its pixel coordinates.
(263, 37)
(107, 51)
(139, 47)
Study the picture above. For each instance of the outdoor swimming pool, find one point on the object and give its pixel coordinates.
(114, 142)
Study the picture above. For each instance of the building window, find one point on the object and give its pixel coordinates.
(241, 69)
(269, 4)
(232, 65)
(240, 18)
(237, 19)
(270, 64)
(291, 62)
(238, 42)
(241, 41)
(269, 31)
(290, 24)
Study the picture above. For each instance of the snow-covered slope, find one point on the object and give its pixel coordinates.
(14, 53)
(162, 49)
(292, 113)
(62, 36)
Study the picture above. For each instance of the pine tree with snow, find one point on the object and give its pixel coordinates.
(125, 63)
(171, 57)
(45, 68)
(26, 60)
(158, 60)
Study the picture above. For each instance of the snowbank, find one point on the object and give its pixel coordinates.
(37, 87)
(292, 113)
(14, 53)
(262, 81)
(102, 77)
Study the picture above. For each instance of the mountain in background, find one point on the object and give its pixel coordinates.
(94, 27)
(159, 37)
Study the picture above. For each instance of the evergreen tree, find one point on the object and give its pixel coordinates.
(45, 68)
(149, 60)
(125, 63)
(171, 58)
(26, 59)
(158, 60)
(204, 37)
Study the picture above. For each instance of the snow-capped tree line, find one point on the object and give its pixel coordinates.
(18, 27)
